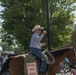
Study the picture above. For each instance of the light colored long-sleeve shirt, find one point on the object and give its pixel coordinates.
(35, 41)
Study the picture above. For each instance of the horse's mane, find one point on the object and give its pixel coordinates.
(60, 52)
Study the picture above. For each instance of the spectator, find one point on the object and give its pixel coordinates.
(4, 57)
(64, 65)
(61, 67)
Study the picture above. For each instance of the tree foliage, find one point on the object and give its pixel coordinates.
(21, 15)
(62, 21)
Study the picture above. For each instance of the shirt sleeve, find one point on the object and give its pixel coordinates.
(38, 38)
(41, 44)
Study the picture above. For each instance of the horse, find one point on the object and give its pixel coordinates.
(59, 56)
(15, 64)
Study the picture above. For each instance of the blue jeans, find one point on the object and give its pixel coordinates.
(38, 53)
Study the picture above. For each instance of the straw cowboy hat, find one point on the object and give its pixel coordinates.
(37, 27)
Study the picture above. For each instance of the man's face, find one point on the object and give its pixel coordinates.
(38, 31)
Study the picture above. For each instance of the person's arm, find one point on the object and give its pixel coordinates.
(38, 38)
(43, 44)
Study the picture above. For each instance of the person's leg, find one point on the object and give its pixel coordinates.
(43, 66)
(38, 53)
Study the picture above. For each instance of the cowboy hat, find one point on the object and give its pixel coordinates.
(37, 27)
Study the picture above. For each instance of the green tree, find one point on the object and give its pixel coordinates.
(6, 47)
(62, 21)
(19, 19)
(21, 15)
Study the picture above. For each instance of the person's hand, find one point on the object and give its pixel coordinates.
(44, 32)
(43, 44)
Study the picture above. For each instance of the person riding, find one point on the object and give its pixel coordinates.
(35, 46)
